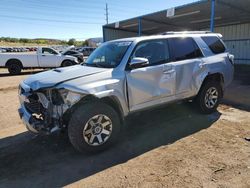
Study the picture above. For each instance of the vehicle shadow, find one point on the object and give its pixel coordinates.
(5, 74)
(237, 105)
(50, 161)
(237, 93)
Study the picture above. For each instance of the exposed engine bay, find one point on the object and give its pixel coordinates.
(47, 107)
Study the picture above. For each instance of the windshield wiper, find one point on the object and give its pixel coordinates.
(94, 65)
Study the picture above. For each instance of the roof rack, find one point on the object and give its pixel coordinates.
(185, 32)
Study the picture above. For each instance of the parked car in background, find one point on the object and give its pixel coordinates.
(2, 50)
(9, 49)
(86, 51)
(74, 53)
(122, 77)
(32, 49)
(14, 50)
(22, 49)
(44, 58)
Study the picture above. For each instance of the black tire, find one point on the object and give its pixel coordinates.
(201, 101)
(80, 60)
(80, 120)
(67, 63)
(14, 68)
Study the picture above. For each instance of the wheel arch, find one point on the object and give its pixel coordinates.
(13, 60)
(109, 100)
(115, 104)
(216, 77)
(67, 60)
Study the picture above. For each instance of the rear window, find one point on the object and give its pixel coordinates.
(184, 48)
(215, 44)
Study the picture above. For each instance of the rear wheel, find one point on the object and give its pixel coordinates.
(93, 127)
(14, 68)
(209, 97)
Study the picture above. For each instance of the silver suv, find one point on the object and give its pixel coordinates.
(123, 76)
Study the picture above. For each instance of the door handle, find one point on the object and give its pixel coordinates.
(169, 71)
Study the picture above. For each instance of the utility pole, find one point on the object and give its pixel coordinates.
(212, 15)
(107, 13)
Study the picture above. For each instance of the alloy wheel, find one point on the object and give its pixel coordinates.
(97, 130)
(211, 97)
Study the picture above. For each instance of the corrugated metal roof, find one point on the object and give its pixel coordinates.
(194, 16)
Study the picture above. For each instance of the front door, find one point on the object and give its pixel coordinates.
(48, 58)
(155, 83)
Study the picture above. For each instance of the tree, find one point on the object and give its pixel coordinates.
(85, 43)
(23, 40)
(71, 41)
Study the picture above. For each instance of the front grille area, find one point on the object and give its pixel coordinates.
(34, 106)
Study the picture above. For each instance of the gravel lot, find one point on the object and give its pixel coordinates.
(172, 146)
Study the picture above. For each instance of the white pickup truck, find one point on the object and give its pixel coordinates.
(44, 58)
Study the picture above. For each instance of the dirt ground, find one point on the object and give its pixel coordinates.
(172, 146)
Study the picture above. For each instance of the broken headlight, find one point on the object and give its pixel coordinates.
(63, 96)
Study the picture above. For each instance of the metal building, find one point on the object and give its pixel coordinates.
(231, 18)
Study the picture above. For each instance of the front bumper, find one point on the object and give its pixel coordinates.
(27, 119)
(31, 123)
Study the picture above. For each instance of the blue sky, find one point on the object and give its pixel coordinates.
(64, 19)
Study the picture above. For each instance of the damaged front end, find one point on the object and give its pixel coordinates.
(43, 110)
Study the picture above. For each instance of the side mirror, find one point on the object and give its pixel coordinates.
(138, 62)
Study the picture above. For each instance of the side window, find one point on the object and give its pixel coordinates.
(72, 52)
(156, 51)
(215, 44)
(48, 51)
(184, 48)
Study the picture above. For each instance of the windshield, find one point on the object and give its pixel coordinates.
(49, 51)
(67, 49)
(108, 55)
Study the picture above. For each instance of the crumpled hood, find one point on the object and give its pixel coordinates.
(69, 56)
(59, 75)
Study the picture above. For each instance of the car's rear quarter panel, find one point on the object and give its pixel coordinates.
(220, 64)
(27, 60)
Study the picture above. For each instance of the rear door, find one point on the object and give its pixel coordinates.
(188, 65)
(153, 84)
